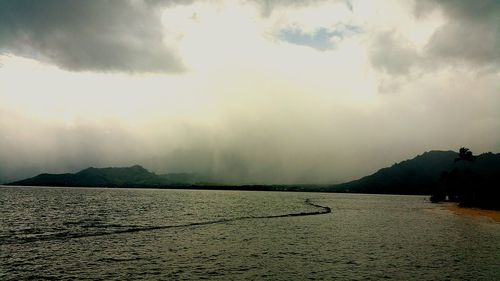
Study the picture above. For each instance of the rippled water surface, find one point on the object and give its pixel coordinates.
(132, 234)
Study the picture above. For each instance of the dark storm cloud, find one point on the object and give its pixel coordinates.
(124, 36)
(471, 34)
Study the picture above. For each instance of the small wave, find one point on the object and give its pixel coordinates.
(68, 235)
(118, 259)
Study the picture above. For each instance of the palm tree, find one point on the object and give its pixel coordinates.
(463, 181)
(456, 184)
(464, 154)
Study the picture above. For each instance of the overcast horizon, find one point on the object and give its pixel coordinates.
(246, 91)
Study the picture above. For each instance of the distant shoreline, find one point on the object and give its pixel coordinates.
(474, 212)
(266, 188)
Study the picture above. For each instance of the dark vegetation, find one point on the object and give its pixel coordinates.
(420, 175)
(447, 175)
(473, 181)
(135, 176)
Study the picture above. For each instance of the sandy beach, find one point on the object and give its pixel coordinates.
(492, 214)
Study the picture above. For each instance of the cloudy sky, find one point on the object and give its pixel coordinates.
(247, 91)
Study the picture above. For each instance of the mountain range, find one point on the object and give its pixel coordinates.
(420, 175)
(134, 176)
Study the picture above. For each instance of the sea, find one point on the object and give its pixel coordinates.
(158, 234)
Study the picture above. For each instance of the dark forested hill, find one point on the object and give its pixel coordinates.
(135, 176)
(420, 175)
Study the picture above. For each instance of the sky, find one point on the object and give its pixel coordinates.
(245, 91)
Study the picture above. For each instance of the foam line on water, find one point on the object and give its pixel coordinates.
(63, 236)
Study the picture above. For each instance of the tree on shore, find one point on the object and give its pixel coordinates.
(464, 154)
(456, 184)
(468, 184)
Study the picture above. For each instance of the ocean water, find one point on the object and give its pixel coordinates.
(146, 234)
